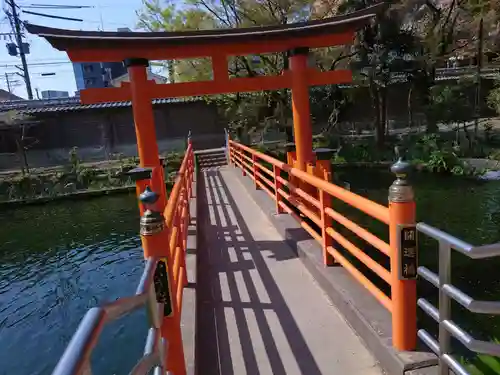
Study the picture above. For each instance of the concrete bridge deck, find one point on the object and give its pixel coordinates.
(259, 310)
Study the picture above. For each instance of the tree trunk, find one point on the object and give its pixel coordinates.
(379, 128)
(22, 153)
(410, 107)
(431, 121)
(289, 134)
(383, 111)
(467, 135)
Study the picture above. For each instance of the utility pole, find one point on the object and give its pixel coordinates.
(8, 83)
(479, 68)
(20, 47)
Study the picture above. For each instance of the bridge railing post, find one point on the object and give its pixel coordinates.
(403, 276)
(254, 170)
(228, 147)
(324, 171)
(277, 186)
(243, 170)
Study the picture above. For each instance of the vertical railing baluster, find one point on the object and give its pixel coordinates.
(154, 308)
(254, 170)
(323, 170)
(164, 354)
(187, 183)
(444, 304)
(326, 222)
(228, 158)
(184, 231)
(240, 153)
(277, 186)
(87, 370)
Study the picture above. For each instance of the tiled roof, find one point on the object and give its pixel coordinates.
(5, 95)
(73, 104)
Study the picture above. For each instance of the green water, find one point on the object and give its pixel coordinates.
(58, 260)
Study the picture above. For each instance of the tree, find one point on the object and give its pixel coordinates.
(166, 16)
(451, 104)
(494, 98)
(264, 108)
(17, 124)
(407, 43)
(445, 29)
(385, 52)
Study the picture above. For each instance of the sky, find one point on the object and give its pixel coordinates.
(105, 14)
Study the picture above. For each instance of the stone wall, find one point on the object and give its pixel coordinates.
(100, 134)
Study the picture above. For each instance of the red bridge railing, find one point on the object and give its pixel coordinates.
(162, 283)
(308, 198)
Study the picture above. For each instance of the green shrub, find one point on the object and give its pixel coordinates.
(494, 155)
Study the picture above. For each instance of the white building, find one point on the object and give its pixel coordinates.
(54, 94)
(151, 76)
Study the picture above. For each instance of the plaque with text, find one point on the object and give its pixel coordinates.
(162, 288)
(408, 251)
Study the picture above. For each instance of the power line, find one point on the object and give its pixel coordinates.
(35, 65)
(50, 63)
(68, 7)
(56, 6)
(83, 6)
(37, 61)
(74, 19)
(39, 76)
(53, 16)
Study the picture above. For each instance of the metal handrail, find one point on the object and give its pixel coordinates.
(76, 357)
(447, 293)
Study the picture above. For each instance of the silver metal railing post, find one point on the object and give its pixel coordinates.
(76, 357)
(444, 304)
(447, 293)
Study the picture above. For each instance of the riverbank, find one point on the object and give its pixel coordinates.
(83, 194)
(75, 181)
(436, 153)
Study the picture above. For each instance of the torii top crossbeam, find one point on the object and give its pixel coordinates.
(91, 46)
(95, 46)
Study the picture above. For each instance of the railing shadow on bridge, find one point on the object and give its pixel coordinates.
(251, 163)
(238, 251)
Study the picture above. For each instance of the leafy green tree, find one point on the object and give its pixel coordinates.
(452, 104)
(407, 43)
(494, 98)
(156, 15)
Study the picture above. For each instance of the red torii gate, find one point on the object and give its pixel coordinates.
(137, 48)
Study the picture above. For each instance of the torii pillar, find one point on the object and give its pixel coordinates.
(147, 146)
(157, 245)
(302, 131)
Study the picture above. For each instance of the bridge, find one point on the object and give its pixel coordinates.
(250, 265)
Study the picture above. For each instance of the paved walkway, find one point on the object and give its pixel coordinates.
(260, 310)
